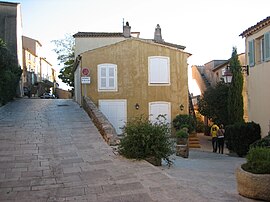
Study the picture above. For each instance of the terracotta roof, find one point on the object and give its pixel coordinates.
(98, 34)
(120, 34)
(9, 3)
(260, 25)
(170, 44)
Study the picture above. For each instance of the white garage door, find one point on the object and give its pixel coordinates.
(160, 108)
(115, 111)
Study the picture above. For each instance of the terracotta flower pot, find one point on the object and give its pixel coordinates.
(256, 186)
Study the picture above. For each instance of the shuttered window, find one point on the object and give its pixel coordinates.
(267, 46)
(107, 77)
(160, 111)
(251, 56)
(158, 70)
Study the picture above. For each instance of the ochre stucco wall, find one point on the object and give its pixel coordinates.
(131, 58)
(258, 89)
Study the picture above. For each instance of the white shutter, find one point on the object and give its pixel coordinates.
(115, 111)
(267, 46)
(251, 56)
(154, 73)
(111, 77)
(107, 77)
(103, 77)
(159, 70)
(159, 108)
(163, 70)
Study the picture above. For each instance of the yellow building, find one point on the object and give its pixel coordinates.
(257, 42)
(38, 73)
(137, 76)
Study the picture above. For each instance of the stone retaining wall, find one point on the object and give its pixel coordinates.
(101, 122)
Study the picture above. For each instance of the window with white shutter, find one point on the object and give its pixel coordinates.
(158, 70)
(107, 77)
(267, 46)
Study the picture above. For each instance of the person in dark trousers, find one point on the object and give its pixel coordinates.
(213, 131)
(220, 138)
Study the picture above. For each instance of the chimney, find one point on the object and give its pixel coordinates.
(158, 36)
(126, 30)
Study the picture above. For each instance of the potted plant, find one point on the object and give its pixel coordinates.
(146, 140)
(182, 136)
(253, 177)
(182, 148)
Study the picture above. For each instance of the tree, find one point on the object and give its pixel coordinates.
(213, 104)
(65, 51)
(235, 98)
(10, 74)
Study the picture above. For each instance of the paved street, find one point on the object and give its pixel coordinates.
(51, 151)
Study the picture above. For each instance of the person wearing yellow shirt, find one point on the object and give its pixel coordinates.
(213, 131)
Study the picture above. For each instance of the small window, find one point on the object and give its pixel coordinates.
(259, 50)
(159, 70)
(107, 77)
(251, 55)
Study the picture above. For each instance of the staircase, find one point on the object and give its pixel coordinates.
(194, 141)
(207, 83)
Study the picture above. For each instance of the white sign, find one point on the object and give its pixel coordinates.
(86, 80)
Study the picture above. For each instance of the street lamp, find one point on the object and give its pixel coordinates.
(228, 74)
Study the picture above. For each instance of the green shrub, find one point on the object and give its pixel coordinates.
(258, 161)
(199, 126)
(264, 142)
(145, 139)
(182, 133)
(10, 74)
(240, 136)
(183, 120)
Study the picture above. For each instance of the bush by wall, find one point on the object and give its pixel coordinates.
(10, 74)
(144, 139)
(183, 120)
(258, 161)
(264, 142)
(240, 136)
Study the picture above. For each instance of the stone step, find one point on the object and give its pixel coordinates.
(194, 141)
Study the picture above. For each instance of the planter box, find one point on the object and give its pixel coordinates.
(256, 186)
(181, 141)
(154, 161)
(182, 150)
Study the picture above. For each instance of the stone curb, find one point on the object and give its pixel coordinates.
(105, 128)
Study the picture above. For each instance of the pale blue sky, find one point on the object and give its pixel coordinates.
(208, 28)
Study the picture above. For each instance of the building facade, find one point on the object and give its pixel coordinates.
(213, 72)
(11, 32)
(136, 77)
(38, 73)
(257, 43)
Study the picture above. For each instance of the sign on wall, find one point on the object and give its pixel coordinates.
(86, 80)
(85, 71)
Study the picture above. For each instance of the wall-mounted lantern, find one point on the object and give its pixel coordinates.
(181, 107)
(228, 74)
(137, 106)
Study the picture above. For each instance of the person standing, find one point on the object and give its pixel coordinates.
(213, 131)
(220, 138)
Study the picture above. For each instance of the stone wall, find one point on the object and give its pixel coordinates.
(101, 122)
(63, 94)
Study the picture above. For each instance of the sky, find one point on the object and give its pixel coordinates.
(208, 28)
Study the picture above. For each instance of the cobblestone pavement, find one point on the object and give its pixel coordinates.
(51, 151)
